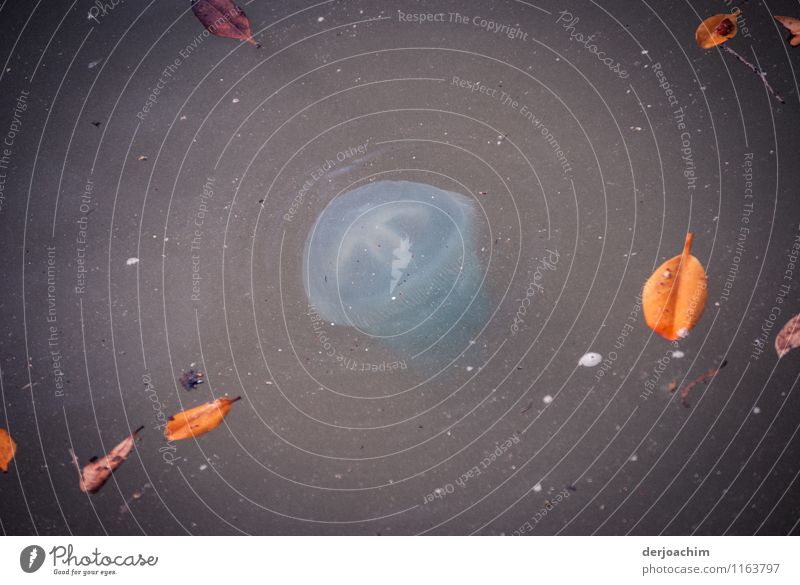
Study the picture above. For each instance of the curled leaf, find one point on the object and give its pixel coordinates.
(224, 19)
(198, 420)
(716, 29)
(712, 373)
(674, 297)
(789, 337)
(793, 25)
(7, 449)
(95, 473)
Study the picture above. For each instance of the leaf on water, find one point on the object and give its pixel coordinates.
(198, 420)
(716, 29)
(7, 449)
(789, 337)
(793, 24)
(224, 19)
(95, 473)
(712, 373)
(674, 297)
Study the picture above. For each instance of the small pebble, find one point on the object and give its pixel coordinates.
(590, 359)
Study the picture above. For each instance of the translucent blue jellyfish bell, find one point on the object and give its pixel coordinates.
(396, 261)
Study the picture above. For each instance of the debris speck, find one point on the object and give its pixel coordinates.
(131, 261)
(547, 399)
(590, 360)
(191, 379)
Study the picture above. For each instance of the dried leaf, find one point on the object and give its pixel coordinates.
(198, 420)
(95, 473)
(789, 337)
(7, 449)
(224, 19)
(674, 297)
(712, 373)
(716, 29)
(793, 24)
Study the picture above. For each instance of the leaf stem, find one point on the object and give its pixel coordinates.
(755, 70)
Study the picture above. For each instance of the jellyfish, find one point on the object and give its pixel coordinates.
(396, 261)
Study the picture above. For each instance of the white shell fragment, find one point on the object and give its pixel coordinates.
(590, 359)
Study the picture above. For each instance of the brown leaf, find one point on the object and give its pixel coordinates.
(198, 420)
(793, 24)
(7, 449)
(674, 297)
(224, 19)
(95, 473)
(712, 373)
(716, 29)
(789, 337)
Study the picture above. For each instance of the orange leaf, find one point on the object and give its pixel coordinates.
(224, 19)
(7, 449)
(198, 420)
(789, 337)
(674, 297)
(716, 29)
(793, 24)
(95, 473)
